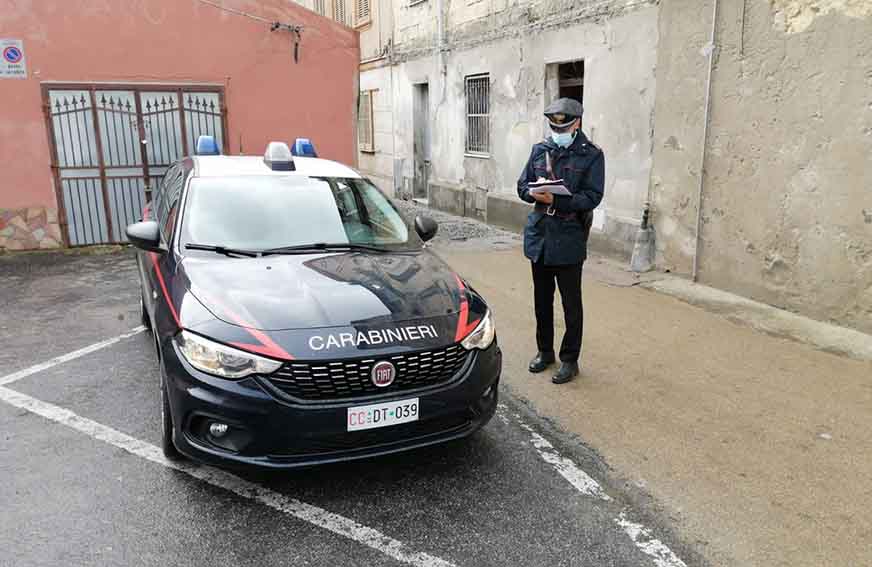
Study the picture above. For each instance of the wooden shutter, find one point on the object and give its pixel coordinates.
(340, 14)
(365, 123)
(361, 12)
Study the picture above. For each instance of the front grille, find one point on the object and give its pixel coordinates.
(351, 378)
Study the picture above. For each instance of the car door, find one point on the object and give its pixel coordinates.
(156, 268)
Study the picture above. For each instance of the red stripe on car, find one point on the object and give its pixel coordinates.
(163, 286)
(464, 327)
(267, 346)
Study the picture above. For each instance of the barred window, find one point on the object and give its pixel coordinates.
(365, 123)
(319, 7)
(361, 12)
(478, 114)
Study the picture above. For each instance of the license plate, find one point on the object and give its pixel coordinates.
(382, 415)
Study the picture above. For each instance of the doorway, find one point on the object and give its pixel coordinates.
(421, 142)
(571, 80)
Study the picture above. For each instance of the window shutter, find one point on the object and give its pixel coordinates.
(361, 11)
(340, 14)
(365, 122)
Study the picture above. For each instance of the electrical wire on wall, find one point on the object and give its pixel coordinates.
(294, 29)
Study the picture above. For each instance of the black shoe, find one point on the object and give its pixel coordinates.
(541, 361)
(566, 372)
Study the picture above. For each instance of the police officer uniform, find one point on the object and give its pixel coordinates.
(555, 237)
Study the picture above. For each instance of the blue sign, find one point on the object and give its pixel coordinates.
(12, 54)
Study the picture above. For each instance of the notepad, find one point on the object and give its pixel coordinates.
(553, 186)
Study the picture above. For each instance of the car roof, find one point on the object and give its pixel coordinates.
(236, 166)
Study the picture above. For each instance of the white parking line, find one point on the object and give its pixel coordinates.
(582, 481)
(641, 536)
(335, 523)
(10, 378)
(585, 484)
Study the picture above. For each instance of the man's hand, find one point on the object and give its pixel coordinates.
(546, 198)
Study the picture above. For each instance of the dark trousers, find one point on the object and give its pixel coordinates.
(568, 279)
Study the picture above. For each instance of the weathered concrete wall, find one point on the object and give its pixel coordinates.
(787, 205)
(619, 50)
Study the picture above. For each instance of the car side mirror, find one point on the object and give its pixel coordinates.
(425, 227)
(145, 236)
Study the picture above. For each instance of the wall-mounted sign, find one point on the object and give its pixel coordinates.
(12, 62)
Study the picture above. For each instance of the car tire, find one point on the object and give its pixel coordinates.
(143, 314)
(166, 417)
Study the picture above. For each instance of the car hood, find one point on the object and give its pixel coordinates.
(286, 292)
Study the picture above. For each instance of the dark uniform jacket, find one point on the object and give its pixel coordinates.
(561, 239)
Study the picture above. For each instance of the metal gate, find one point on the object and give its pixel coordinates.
(112, 143)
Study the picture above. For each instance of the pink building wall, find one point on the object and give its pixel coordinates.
(268, 95)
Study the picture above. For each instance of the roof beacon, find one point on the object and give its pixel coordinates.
(304, 147)
(278, 157)
(207, 146)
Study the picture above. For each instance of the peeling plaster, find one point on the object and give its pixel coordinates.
(796, 16)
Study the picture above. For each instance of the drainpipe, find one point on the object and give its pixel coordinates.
(440, 40)
(710, 48)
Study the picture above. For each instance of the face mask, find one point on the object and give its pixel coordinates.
(563, 139)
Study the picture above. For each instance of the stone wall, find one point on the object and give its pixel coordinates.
(787, 196)
(30, 228)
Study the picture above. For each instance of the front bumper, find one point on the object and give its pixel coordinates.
(266, 431)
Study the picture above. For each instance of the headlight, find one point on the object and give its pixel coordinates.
(482, 336)
(221, 360)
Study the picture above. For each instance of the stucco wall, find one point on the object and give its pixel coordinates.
(787, 204)
(268, 96)
(619, 54)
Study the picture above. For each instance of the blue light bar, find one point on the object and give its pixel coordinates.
(304, 147)
(207, 146)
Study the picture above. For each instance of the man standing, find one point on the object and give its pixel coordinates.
(555, 238)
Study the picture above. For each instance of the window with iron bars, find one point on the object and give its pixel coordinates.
(365, 139)
(361, 12)
(320, 7)
(478, 115)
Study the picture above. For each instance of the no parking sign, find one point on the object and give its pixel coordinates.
(12, 62)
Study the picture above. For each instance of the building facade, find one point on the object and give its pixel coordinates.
(759, 180)
(97, 98)
(456, 102)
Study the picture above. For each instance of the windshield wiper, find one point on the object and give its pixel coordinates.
(303, 248)
(223, 250)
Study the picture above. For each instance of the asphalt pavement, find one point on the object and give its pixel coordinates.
(83, 482)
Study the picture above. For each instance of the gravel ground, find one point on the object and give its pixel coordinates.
(461, 231)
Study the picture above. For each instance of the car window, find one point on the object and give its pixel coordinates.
(171, 194)
(160, 200)
(257, 213)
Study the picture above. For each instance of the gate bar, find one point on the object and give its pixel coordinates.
(55, 168)
(107, 208)
(140, 119)
(181, 100)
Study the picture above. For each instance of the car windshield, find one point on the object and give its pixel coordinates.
(262, 213)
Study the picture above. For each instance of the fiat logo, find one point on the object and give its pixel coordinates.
(383, 374)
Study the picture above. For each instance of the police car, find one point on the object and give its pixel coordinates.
(300, 319)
